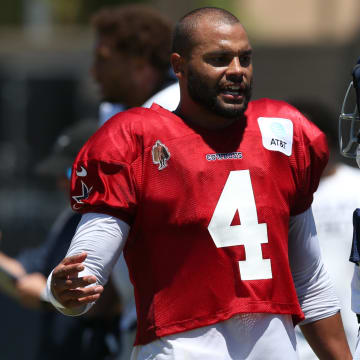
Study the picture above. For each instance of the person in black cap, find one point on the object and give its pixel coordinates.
(92, 337)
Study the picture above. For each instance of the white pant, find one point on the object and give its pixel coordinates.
(246, 336)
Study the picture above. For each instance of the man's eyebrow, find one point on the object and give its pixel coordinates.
(247, 52)
(225, 50)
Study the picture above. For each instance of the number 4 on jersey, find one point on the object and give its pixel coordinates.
(238, 195)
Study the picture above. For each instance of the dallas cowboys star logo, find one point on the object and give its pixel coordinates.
(85, 193)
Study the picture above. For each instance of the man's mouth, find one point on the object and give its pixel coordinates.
(233, 92)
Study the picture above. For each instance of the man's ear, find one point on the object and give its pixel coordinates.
(177, 63)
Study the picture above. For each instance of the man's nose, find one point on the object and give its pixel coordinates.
(235, 71)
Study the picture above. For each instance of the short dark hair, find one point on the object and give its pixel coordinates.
(183, 39)
(137, 30)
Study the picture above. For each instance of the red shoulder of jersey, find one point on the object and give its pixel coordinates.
(309, 154)
(107, 171)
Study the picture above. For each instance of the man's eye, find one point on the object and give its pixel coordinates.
(245, 61)
(218, 60)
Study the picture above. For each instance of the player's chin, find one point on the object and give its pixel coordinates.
(230, 110)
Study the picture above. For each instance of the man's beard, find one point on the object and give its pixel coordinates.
(202, 94)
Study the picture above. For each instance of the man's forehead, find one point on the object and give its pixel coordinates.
(220, 35)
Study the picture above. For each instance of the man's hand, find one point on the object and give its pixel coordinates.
(30, 288)
(68, 288)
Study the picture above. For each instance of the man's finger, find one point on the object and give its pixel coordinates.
(65, 271)
(61, 284)
(80, 293)
(81, 301)
(73, 283)
(74, 259)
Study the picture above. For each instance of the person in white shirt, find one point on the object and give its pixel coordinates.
(333, 205)
(349, 140)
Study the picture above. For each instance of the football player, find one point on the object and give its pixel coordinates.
(212, 206)
(349, 139)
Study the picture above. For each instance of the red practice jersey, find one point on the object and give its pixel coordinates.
(208, 209)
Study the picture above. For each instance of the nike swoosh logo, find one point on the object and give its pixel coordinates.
(81, 173)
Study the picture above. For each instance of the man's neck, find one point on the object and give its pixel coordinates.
(202, 117)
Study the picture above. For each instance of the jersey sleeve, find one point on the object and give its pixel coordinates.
(311, 156)
(106, 172)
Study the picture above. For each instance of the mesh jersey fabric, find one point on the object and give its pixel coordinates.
(165, 178)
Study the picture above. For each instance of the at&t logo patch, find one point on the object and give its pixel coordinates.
(277, 134)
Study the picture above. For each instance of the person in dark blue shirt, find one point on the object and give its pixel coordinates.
(96, 336)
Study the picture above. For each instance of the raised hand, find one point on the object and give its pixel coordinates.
(70, 289)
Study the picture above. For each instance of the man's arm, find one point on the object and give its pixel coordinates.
(78, 280)
(322, 326)
(28, 289)
(327, 338)
(13, 266)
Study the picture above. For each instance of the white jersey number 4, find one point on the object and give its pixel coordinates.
(238, 195)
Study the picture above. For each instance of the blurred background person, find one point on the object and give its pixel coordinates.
(333, 205)
(131, 56)
(92, 337)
